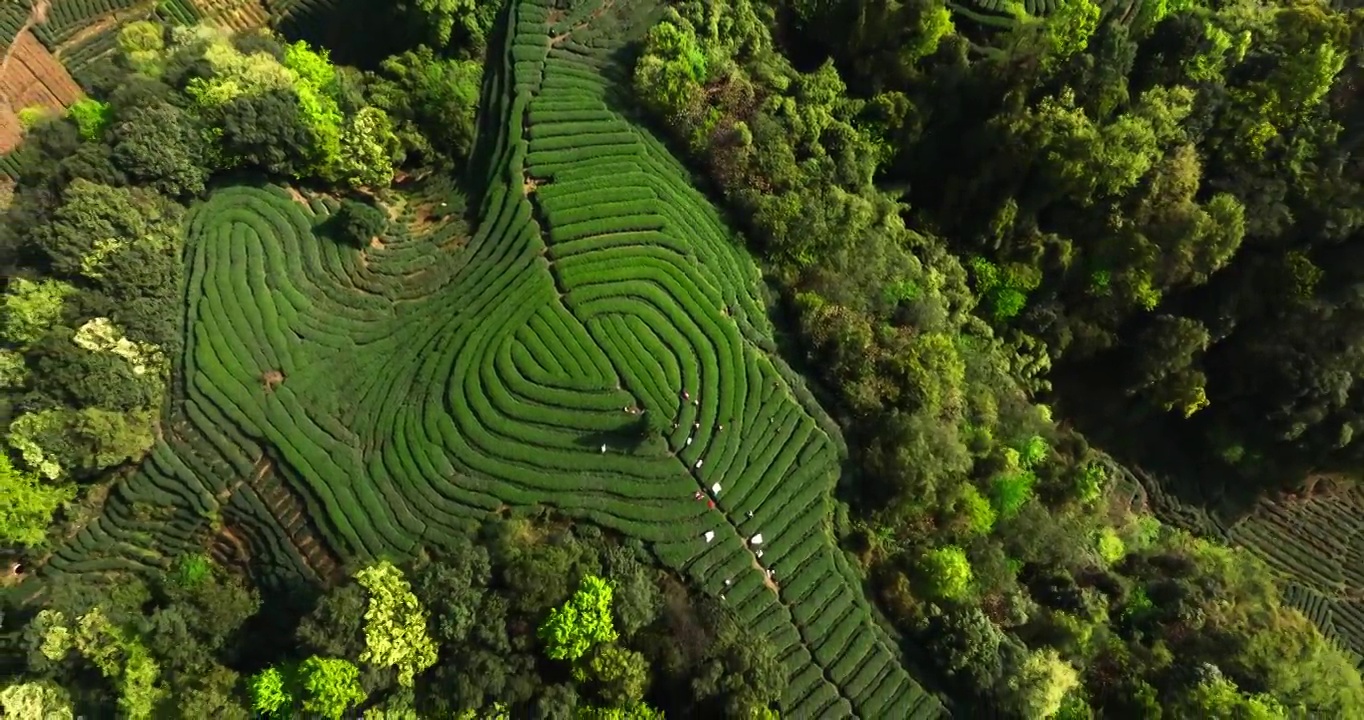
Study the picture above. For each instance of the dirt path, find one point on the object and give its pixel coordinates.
(37, 15)
(601, 10)
(87, 32)
(103, 24)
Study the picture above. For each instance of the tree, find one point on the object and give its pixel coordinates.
(27, 504)
(213, 692)
(234, 74)
(1038, 687)
(370, 149)
(14, 373)
(741, 675)
(465, 22)
(966, 645)
(143, 44)
(430, 101)
(36, 700)
(1216, 696)
(582, 622)
(330, 686)
(32, 308)
(82, 375)
(639, 711)
(395, 624)
(75, 442)
(359, 222)
(265, 131)
(946, 572)
(636, 601)
(120, 655)
(976, 513)
(622, 674)
(1069, 27)
(314, 81)
(162, 146)
(454, 589)
(269, 694)
(1167, 353)
(92, 117)
(670, 73)
(95, 224)
(336, 625)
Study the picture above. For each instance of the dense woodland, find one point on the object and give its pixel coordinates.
(985, 245)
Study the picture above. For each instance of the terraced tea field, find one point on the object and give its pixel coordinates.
(598, 345)
(1315, 544)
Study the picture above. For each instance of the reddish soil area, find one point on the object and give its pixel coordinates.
(29, 76)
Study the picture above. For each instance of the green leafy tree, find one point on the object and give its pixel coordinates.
(330, 686)
(454, 590)
(359, 222)
(126, 241)
(395, 624)
(430, 101)
(638, 711)
(65, 441)
(975, 511)
(314, 81)
(1216, 696)
(336, 625)
(162, 146)
(312, 67)
(35, 700)
(143, 45)
(622, 675)
(1038, 687)
(965, 644)
(35, 115)
(669, 75)
(1011, 490)
(1167, 353)
(264, 131)
(636, 600)
(32, 308)
(1069, 27)
(233, 74)
(370, 149)
(92, 117)
(946, 572)
(192, 571)
(14, 373)
(27, 504)
(120, 655)
(582, 622)
(467, 23)
(269, 693)
(741, 676)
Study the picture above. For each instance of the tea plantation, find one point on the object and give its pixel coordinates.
(598, 345)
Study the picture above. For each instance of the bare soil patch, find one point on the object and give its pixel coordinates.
(11, 132)
(271, 380)
(296, 196)
(30, 76)
(423, 219)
